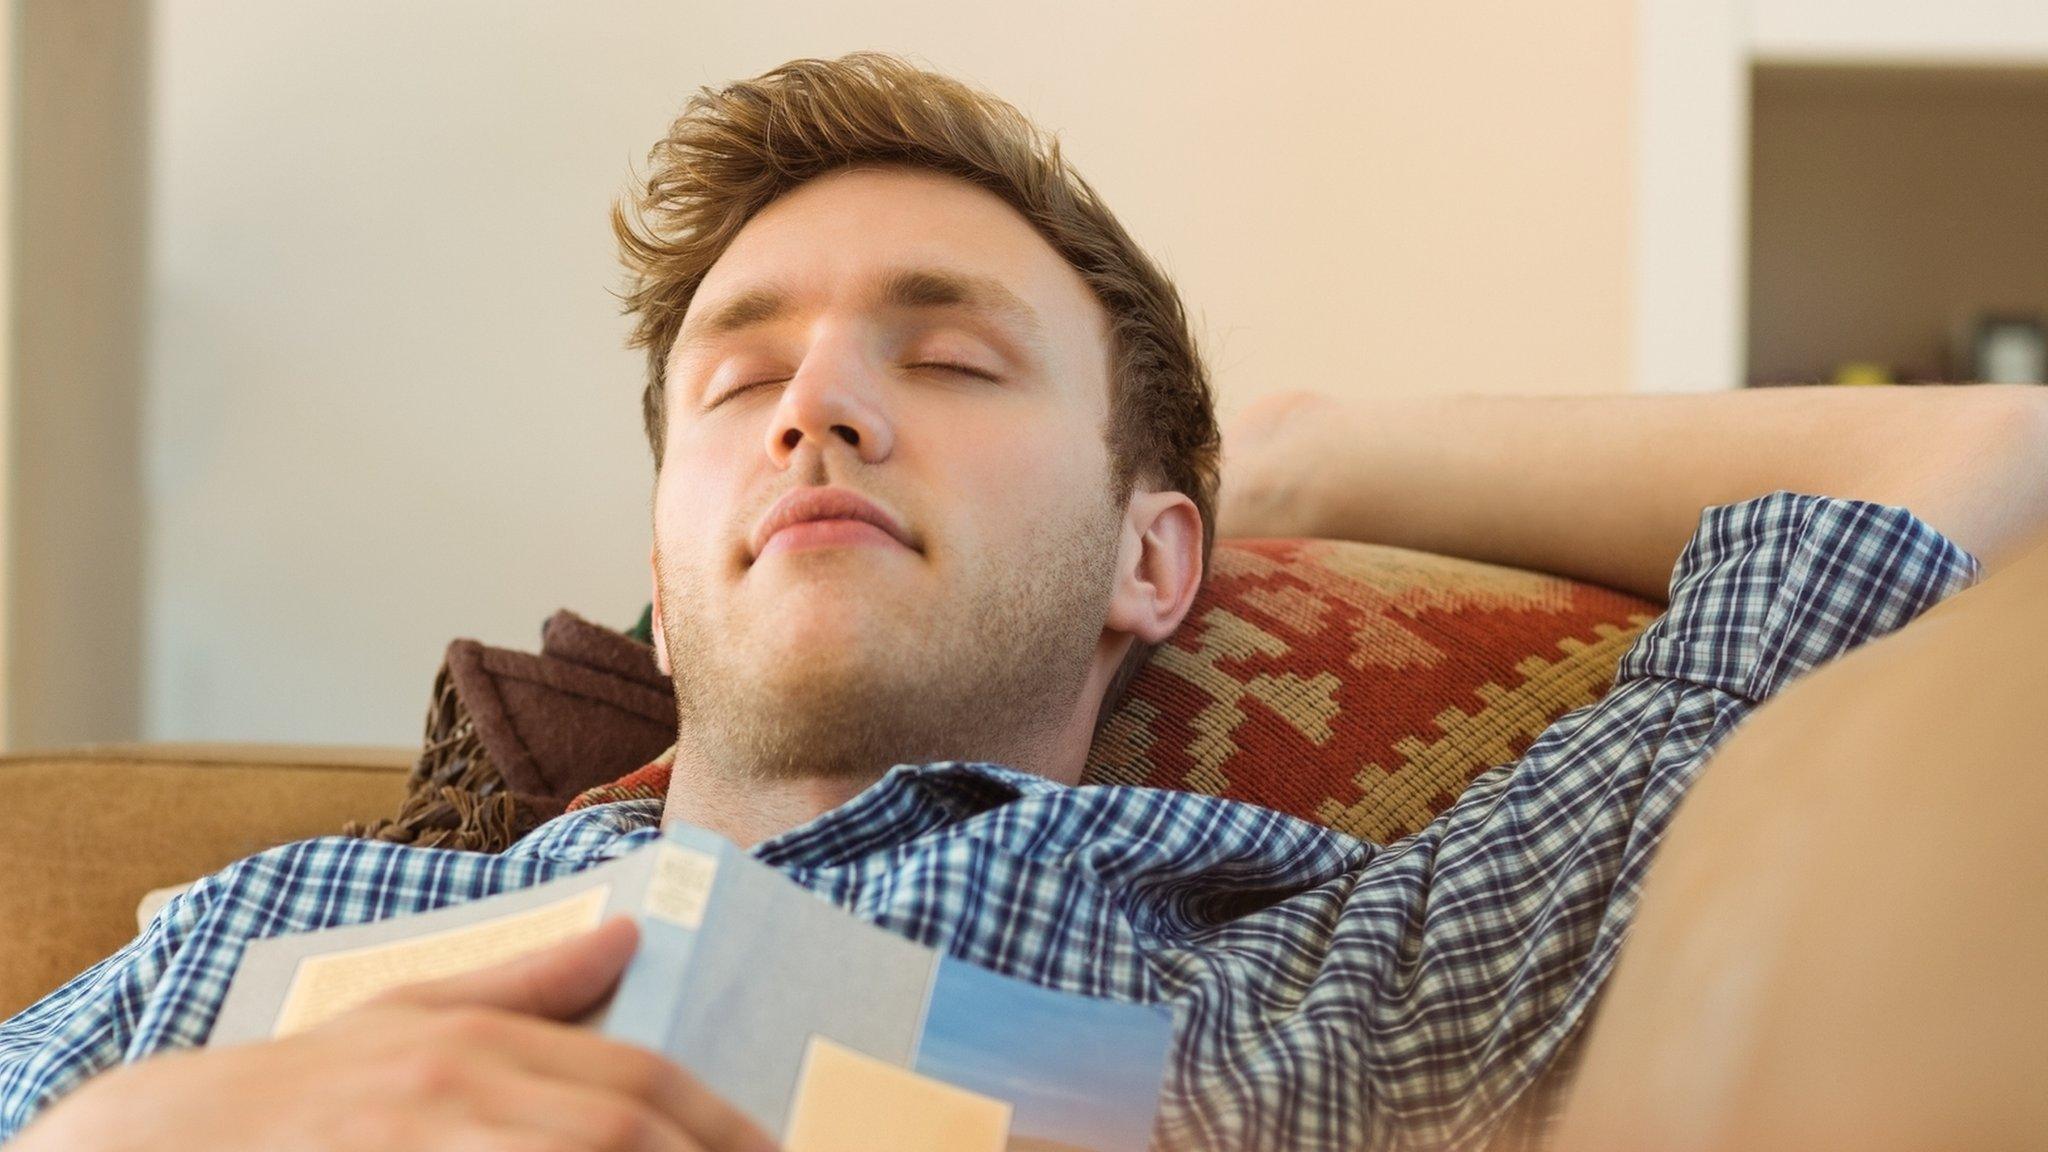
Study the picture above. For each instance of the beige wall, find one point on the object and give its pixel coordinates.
(74, 353)
(387, 403)
(7, 134)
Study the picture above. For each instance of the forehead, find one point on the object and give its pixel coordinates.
(823, 241)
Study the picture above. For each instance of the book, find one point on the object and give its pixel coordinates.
(831, 1033)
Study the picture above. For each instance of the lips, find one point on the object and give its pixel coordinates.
(805, 505)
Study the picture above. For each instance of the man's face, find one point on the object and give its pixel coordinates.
(910, 340)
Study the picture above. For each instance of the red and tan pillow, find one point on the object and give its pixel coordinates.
(1356, 685)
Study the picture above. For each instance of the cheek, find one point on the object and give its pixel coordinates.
(1021, 485)
(691, 510)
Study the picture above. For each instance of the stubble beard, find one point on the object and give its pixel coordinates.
(990, 673)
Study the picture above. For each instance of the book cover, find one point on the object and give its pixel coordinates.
(829, 1032)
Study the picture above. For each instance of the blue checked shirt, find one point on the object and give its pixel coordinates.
(1328, 992)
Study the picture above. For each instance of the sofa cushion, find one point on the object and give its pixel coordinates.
(1361, 686)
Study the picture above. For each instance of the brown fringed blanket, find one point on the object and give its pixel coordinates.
(512, 737)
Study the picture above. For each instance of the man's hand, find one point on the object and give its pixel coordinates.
(1274, 453)
(482, 1061)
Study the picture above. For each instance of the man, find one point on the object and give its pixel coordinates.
(935, 468)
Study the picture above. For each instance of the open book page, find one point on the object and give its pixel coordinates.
(285, 984)
(325, 986)
(829, 1032)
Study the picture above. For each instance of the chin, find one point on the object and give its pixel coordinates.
(819, 625)
(819, 675)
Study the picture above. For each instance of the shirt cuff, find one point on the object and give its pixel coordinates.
(1771, 588)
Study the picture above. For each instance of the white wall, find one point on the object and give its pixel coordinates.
(387, 403)
(1691, 133)
(1872, 31)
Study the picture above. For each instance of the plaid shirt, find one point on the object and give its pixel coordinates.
(1328, 992)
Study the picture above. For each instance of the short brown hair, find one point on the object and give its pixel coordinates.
(736, 149)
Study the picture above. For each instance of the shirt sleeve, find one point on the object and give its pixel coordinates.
(81, 1029)
(1771, 588)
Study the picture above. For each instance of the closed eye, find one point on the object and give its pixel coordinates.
(963, 369)
(744, 388)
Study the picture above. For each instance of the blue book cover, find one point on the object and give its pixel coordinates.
(733, 948)
(834, 1035)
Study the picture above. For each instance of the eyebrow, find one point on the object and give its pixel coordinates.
(915, 288)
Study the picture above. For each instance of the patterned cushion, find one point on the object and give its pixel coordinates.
(1356, 685)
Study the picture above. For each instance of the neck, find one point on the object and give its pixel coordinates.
(748, 811)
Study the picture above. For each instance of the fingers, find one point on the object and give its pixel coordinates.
(582, 1060)
(560, 982)
(708, 1117)
(512, 1014)
(624, 1071)
(572, 1116)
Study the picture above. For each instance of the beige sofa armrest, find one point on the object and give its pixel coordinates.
(85, 832)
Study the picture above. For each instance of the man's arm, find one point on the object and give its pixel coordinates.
(1608, 489)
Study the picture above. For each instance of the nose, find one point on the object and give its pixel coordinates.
(831, 400)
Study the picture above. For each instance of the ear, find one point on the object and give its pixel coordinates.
(660, 641)
(1159, 566)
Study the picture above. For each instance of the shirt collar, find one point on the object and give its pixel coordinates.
(909, 801)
